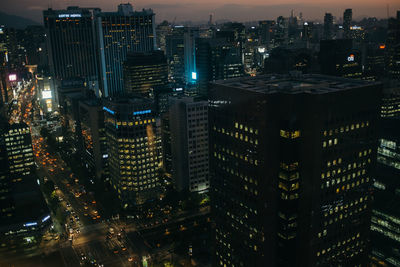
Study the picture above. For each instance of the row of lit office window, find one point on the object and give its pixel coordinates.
(345, 214)
(346, 128)
(238, 136)
(340, 243)
(247, 159)
(336, 181)
(350, 166)
(245, 128)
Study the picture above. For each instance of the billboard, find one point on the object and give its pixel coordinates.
(46, 94)
(12, 77)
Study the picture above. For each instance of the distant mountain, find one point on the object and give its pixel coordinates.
(13, 21)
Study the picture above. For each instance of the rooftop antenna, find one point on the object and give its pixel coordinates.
(387, 10)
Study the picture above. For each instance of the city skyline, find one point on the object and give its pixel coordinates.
(221, 9)
(233, 134)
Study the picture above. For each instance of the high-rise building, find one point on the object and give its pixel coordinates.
(190, 36)
(19, 150)
(47, 92)
(94, 146)
(281, 31)
(119, 33)
(385, 224)
(347, 18)
(24, 213)
(266, 33)
(189, 132)
(145, 73)
(374, 66)
(72, 45)
(291, 161)
(393, 48)
(217, 59)
(339, 58)
(391, 103)
(328, 26)
(133, 150)
(162, 30)
(175, 52)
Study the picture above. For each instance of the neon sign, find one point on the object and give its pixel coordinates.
(46, 218)
(350, 58)
(30, 224)
(142, 112)
(109, 110)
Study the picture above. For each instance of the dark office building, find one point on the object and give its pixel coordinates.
(291, 159)
(71, 44)
(393, 47)
(119, 33)
(391, 103)
(338, 58)
(347, 18)
(266, 31)
(374, 66)
(133, 150)
(175, 52)
(282, 60)
(145, 73)
(94, 146)
(217, 59)
(328, 26)
(385, 236)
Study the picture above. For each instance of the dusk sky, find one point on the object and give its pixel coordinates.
(197, 10)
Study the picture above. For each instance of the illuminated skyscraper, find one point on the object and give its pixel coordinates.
(24, 213)
(72, 44)
(291, 161)
(119, 33)
(133, 150)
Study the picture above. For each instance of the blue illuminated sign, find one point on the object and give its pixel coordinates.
(30, 224)
(46, 218)
(109, 110)
(194, 75)
(141, 112)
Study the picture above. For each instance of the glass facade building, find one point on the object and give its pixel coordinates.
(72, 45)
(119, 33)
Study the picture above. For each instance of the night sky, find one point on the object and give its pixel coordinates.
(199, 10)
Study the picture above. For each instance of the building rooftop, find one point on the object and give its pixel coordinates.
(294, 83)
